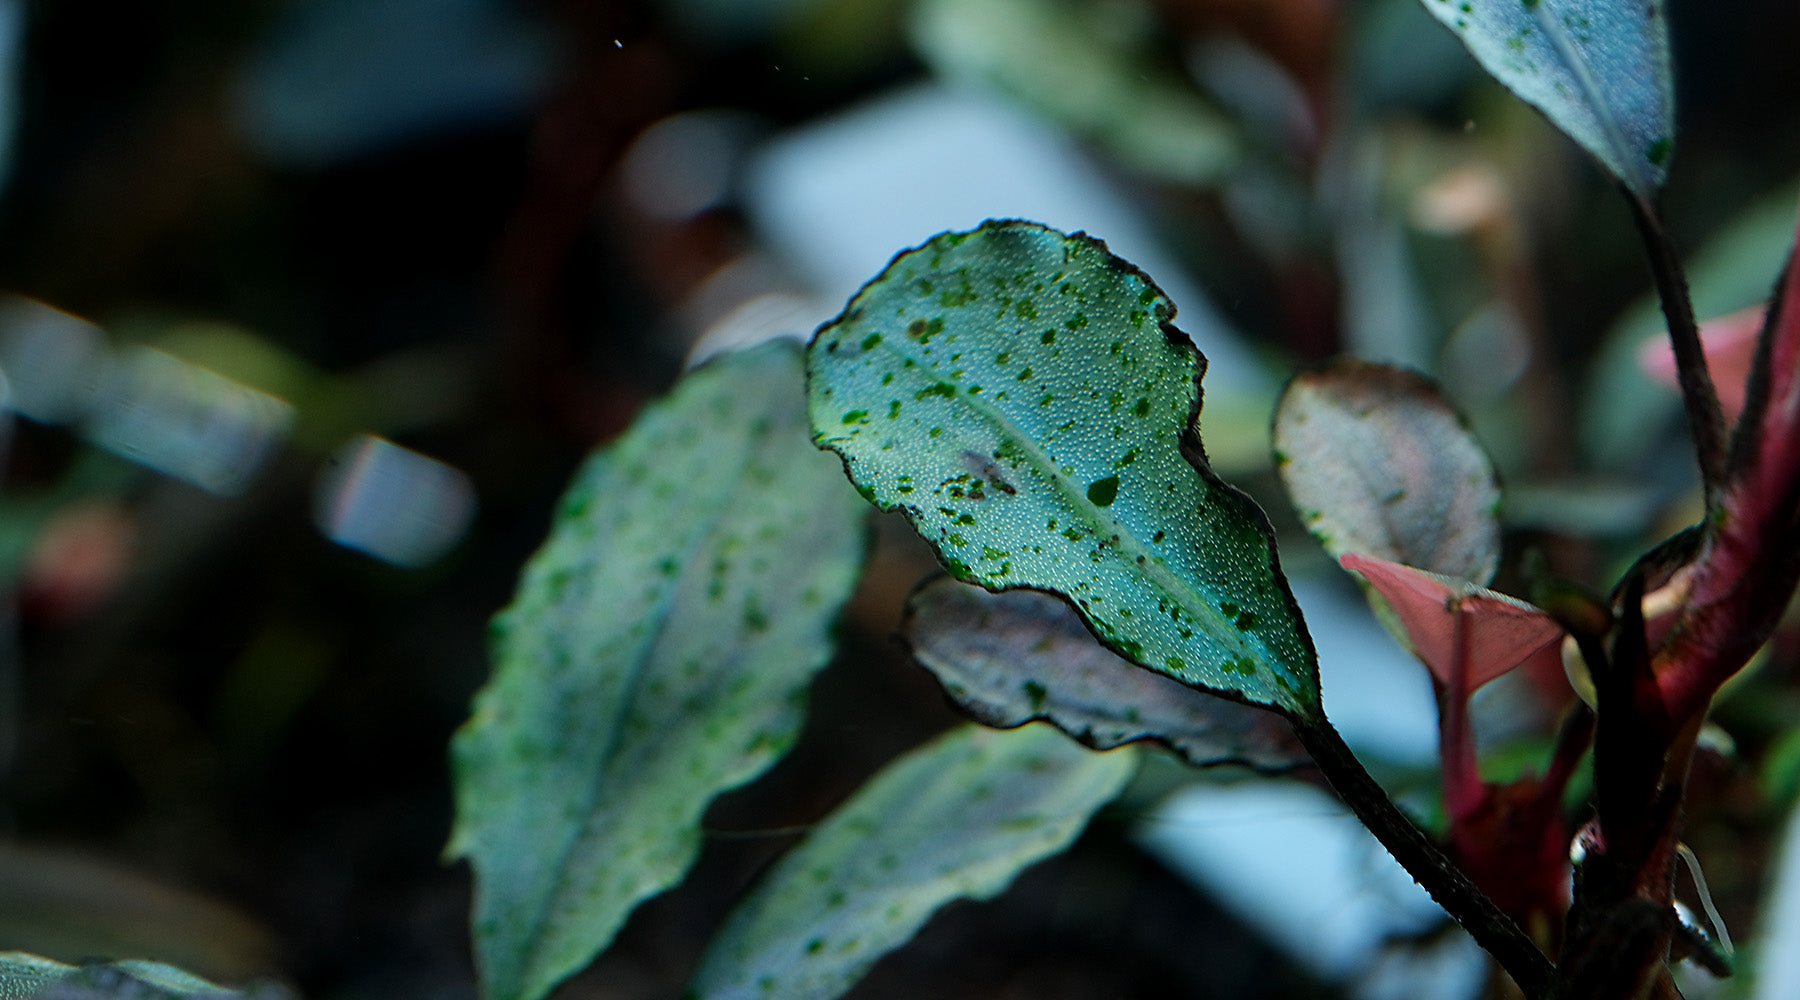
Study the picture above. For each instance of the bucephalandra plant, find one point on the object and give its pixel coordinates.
(1026, 400)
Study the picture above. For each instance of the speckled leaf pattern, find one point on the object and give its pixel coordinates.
(1598, 69)
(956, 819)
(657, 652)
(1377, 463)
(1020, 395)
(23, 975)
(1020, 655)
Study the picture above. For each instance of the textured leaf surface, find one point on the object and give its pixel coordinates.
(1012, 657)
(1456, 627)
(23, 975)
(1598, 69)
(1020, 396)
(657, 653)
(1376, 462)
(956, 819)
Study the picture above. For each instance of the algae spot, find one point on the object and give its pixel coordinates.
(856, 417)
(1175, 663)
(871, 342)
(944, 389)
(1103, 492)
(1076, 321)
(1048, 337)
(894, 410)
(1142, 408)
(1659, 151)
(1035, 693)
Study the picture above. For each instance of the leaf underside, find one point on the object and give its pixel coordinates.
(1020, 655)
(955, 819)
(1598, 69)
(1377, 463)
(656, 654)
(1020, 395)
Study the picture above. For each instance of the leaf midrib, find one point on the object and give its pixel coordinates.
(535, 954)
(1165, 579)
(1547, 13)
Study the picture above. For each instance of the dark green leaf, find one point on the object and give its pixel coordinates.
(657, 653)
(1020, 395)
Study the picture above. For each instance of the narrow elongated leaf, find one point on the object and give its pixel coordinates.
(1012, 657)
(955, 819)
(1022, 397)
(1745, 575)
(657, 653)
(1376, 462)
(1454, 626)
(1598, 69)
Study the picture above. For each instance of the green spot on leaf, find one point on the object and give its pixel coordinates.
(1102, 493)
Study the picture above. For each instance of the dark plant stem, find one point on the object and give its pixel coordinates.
(1493, 930)
(1698, 395)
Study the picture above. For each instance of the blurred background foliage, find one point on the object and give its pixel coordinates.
(359, 281)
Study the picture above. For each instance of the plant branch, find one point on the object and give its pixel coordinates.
(1492, 929)
(1698, 395)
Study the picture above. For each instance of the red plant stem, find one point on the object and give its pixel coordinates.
(1750, 560)
(1463, 791)
(1425, 862)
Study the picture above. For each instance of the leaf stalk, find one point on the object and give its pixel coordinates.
(1698, 394)
(1491, 928)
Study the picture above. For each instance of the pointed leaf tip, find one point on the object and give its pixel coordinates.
(1020, 395)
(1454, 625)
(1598, 69)
(656, 654)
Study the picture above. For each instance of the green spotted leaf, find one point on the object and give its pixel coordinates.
(657, 653)
(1019, 655)
(1598, 69)
(955, 819)
(1020, 395)
(23, 976)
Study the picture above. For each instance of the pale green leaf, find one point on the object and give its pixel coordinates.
(1377, 463)
(1020, 395)
(1020, 655)
(1093, 69)
(1598, 69)
(656, 654)
(956, 819)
